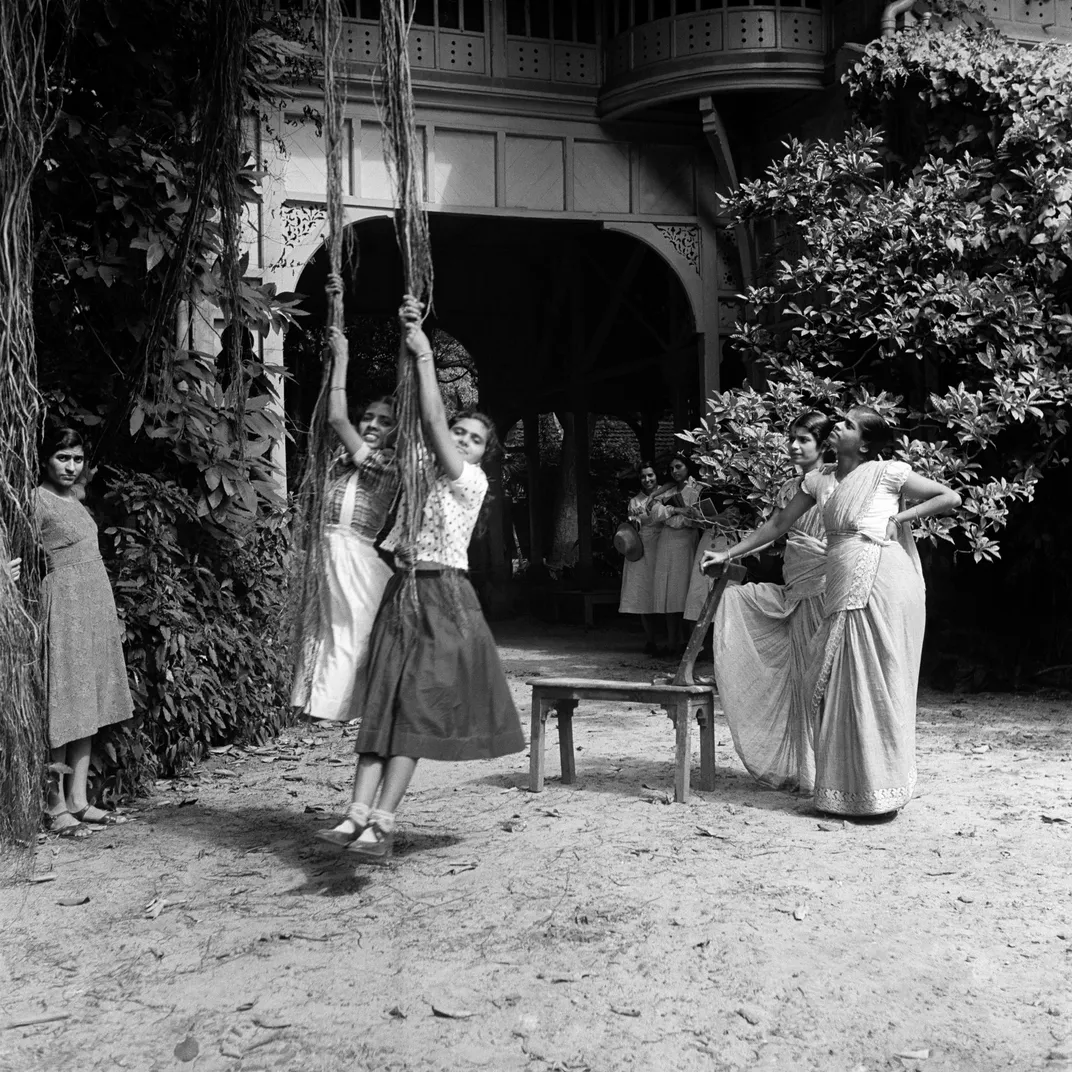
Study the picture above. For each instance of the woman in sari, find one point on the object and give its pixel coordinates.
(761, 632)
(863, 664)
(638, 577)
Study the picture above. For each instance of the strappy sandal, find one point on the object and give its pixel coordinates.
(65, 825)
(349, 830)
(101, 818)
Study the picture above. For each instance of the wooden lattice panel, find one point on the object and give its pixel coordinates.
(362, 42)
(803, 31)
(464, 172)
(422, 50)
(699, 34)
(462, 52)
(618, 56)
(651, 43)
(600, 176)
(576, 63)
(528, 59)
(534, 173)
(667, 180)
(1034, 12)
(750, 29)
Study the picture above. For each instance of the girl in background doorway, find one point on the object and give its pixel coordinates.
(675, 548)
(638, 577)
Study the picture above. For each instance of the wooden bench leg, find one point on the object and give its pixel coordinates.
(541, 708)
(679, 713)
(705, 715)
(564, 709)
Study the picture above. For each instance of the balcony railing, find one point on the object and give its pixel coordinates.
(731, 44)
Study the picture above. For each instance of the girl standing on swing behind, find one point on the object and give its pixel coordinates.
(436, 688)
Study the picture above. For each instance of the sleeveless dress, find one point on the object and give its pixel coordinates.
(674, 553)
(762, 634)
(85, 674)
(864, 661)
(334, 656)
(638, 577)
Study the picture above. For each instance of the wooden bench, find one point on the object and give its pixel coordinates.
(683, 699)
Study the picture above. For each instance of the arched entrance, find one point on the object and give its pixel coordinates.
(564, 317)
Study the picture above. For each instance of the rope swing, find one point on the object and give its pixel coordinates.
(403, 157)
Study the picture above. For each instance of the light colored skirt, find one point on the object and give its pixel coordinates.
(638, 576)
(673, 570)
(761, 640)
(356, 577)
(863, 678)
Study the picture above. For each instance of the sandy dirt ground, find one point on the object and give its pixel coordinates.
(589, 928)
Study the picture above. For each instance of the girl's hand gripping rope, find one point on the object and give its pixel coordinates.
(411, 315)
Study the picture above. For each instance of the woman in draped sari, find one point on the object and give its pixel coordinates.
(863, 664)
(762, 631)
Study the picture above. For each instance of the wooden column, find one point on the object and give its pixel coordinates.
(532, 473)
(585, 578)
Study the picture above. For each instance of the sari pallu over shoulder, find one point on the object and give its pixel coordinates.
(867, 656)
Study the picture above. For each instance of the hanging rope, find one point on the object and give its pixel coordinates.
(404, 159)
(307, 590)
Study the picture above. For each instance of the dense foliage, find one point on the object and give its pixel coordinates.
(923, 264)
(139, 205)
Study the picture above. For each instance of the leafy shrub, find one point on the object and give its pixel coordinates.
(201, 613)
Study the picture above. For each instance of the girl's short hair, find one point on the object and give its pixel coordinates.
(492, 446)
(817, 425)
(57, 437)
(492, 449)
(875, 432)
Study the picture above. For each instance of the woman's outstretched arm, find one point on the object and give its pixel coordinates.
(777, 525)
(433, 412)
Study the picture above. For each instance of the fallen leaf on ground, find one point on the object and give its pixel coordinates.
(979, 749)
(312, 808)
(246, 1005)
(966, 898)
(450, 1013)
(187, 801)
(914, 1055)
(514, 825)
(832, 825)
(460, 868)
(706, 831)
(1053, 819)
(43, 878)
(396, 1012)
(224, 772)
(750, 1013)
(221, 749)
(268, 1025)
(188, 1049)
(800, 912)
(70, 902)
(552, 813)
(157, 905)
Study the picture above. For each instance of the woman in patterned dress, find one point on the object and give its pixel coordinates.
(85, 674)
(864, 661)
(362, 484)
(638, 576)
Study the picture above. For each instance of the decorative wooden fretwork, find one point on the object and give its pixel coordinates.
(685, 238)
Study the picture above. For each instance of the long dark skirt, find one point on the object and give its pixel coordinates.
(436, 688)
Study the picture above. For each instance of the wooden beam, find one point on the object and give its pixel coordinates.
(610, 312)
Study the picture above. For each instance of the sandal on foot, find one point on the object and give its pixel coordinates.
(64, 824)
(349, 830)
(90, 814)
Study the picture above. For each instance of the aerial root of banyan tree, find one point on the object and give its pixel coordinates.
(30, 82)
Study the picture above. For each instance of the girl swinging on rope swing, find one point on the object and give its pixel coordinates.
(436, 688)
(360, 489)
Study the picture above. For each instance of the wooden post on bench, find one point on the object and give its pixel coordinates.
(722, 575)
